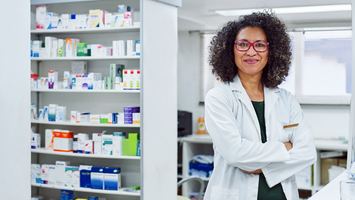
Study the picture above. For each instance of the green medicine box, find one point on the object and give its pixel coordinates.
(129, 145)
(82, 49)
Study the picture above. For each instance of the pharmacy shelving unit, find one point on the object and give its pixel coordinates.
(118, 192)
(86, 91)
(68, 123)
(86, 57)
(158, 64)
(196, 144)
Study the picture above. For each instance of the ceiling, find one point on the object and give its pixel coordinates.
(199, 15)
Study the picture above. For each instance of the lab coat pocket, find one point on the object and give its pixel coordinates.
(285, 134)
(224, 194)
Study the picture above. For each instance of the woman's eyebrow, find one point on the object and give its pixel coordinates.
(255, 41)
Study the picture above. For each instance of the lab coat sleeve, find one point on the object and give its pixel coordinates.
(235, 150)
(303, 153)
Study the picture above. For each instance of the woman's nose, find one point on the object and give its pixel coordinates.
(251, 51)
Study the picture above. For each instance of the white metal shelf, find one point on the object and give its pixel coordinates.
(202, 139)
(85, 58)
(89, 30)
(339, 145)
(336, 145)
(115, 192)
(67, 123)
(86, 91)
(43, 151)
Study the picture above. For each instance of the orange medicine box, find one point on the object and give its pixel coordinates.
(63, 140)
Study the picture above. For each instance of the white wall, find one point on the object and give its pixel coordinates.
(15, 100)
(327, 121)
(189, 75)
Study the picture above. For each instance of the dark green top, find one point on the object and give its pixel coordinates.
(264, 192)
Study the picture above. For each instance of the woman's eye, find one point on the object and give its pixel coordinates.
(260, 45)
(243, 44)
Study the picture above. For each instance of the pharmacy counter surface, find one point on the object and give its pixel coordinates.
(330, 191)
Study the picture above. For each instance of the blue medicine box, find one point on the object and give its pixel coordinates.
(112, 177)
(201, 170)
(97, 178)
(85, 177)
(66, 195)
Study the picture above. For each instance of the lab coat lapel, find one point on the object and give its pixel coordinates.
(242, 95)
(270, 99)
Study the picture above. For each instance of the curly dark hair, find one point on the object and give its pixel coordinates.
(221, 56)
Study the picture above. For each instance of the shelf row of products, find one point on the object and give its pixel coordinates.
(56, 113)
(83, 176)
(53, 47)
(69, 195)
(78, 79)
(96, 18)
(116, 144)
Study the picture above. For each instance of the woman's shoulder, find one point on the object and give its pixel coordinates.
(222, 91)
(286, 96)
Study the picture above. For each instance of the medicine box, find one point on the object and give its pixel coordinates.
(41, 11)
(67, 80)
(85, 176)
(36, 173)
(75, 177)
(66, 195)
(35, 141)
(94, 119)
(129, 145)
(112, 177)
(68, 176)
(94, 16)
(52, 79)
(85, 117)
(60, 114)
(63, 140)
(107, 144)
(117, 143)
(49, 139)
(48, 20)
(89, 147)
(60, 172)
(82, 138)
(97, 138)
(52, 175)
(45, 173)
(79, 67)
(97, 178)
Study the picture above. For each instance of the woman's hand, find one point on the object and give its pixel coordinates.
(288, 145)
(258, 171)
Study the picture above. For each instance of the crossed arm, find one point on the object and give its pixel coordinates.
(288, 146)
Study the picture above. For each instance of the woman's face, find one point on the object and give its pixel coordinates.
(250, 62)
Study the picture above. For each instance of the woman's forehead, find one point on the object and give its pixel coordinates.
(251, 34)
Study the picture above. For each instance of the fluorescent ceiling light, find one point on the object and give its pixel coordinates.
(288, 10)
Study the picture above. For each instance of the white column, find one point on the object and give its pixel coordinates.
(15, 155)
(159, 100)
(351, 151)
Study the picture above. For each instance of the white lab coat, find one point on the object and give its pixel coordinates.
(234, 128)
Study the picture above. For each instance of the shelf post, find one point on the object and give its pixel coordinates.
(158, 100)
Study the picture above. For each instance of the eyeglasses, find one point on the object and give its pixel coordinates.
(242, 45)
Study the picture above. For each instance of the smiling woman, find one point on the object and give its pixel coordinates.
(279, 57)
(256, 151)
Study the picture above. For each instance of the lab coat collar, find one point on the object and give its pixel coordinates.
(270, 98)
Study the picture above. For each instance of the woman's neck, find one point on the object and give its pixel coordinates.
(253, 87)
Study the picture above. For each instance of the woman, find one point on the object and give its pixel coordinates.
(259, 133)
